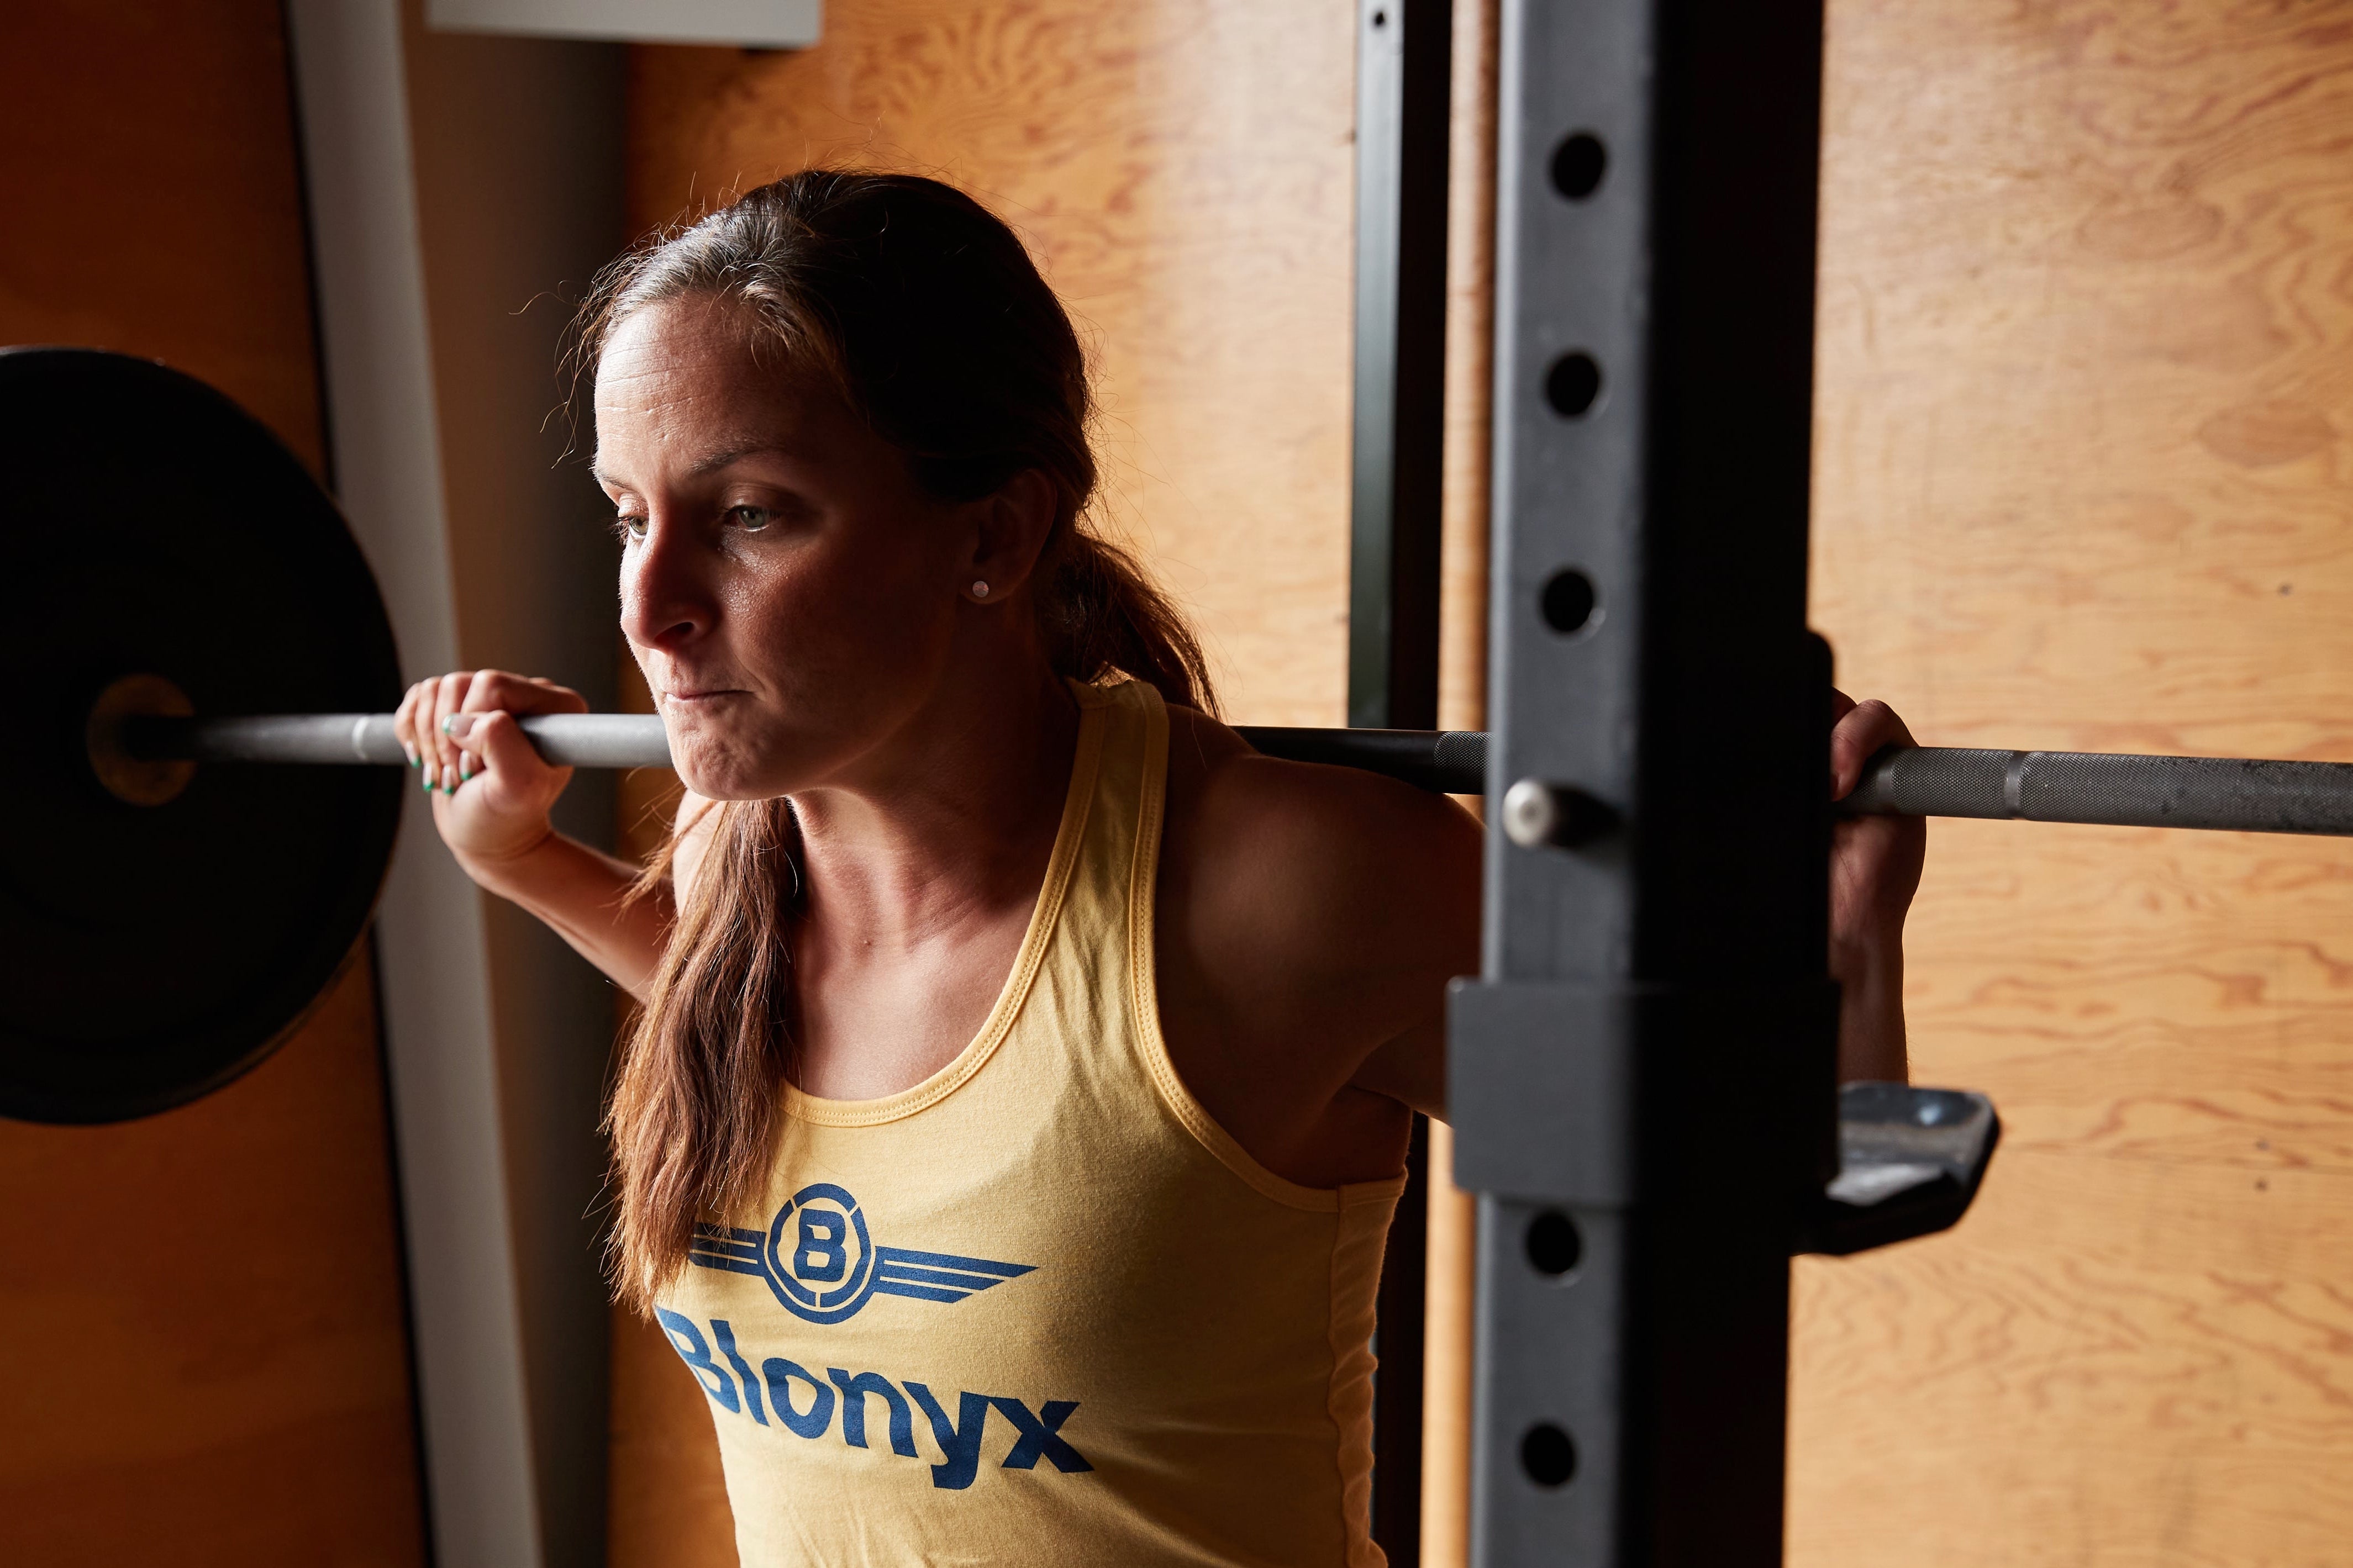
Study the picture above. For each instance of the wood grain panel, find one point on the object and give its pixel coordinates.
(203, 1352)
(2086, 299)
(1184, 173)
(205, 1355)
(152, 204)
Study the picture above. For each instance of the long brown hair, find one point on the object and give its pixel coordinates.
(924, 312)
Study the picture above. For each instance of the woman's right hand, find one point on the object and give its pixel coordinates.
(492, 790)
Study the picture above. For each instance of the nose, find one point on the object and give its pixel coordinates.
(665, 603)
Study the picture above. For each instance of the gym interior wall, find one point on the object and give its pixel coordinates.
(204, 1356)
(2081, 480)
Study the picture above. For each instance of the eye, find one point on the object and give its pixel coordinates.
(628, 528)
(750, 519)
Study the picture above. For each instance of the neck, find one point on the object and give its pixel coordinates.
(956, 816)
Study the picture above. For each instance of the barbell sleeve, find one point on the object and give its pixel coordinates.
(2115, 790)
(2229, 794)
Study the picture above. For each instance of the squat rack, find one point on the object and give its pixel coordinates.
(1644, 1075)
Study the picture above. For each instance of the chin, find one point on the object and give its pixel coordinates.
(727, 784)
(713, 758)
(716, 770)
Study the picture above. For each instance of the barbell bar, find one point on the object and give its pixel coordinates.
(2117, 790)
(180, 578)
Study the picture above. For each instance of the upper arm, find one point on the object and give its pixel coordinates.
(1328, 908)
(1426, 935)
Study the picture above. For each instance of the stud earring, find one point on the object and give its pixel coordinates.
(980, 590)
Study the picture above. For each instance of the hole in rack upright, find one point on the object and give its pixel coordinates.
(1578, 165)
(1573, 384)
(1547, 1455)
(1568, 601)
(1553, 1244)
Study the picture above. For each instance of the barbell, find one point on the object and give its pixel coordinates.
(2094, 788)
(196, 606)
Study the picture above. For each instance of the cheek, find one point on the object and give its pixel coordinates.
(841, 625)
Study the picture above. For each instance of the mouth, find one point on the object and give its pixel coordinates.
(703, 696)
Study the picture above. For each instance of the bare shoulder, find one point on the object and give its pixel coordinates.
(1300, 890)
(1241, 812)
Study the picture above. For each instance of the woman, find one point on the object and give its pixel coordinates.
(1026, 1066)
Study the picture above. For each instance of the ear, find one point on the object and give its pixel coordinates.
(1009, 533)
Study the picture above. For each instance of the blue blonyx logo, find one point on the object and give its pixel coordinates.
(820, 1262)
(803, 1404)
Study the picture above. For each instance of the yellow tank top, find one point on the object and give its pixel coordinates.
(1040, 1307)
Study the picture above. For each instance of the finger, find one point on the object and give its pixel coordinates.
(1866, 730)
(560, 698)
(1879, 725)
(428, 738)
(464, 730)
(500, 743)
(449, 701)
(1841, 705)
(455, 772)
(499, 690)
(403, 725)
(496, 689)
(427, 694)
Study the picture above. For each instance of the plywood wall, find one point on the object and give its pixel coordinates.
(203, 1358)
(1183, 172)
(2086, 375)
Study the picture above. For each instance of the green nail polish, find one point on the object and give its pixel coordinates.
(449, 725)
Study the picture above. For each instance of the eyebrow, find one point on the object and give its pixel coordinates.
(711, 462)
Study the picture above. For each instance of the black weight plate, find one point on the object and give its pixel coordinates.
(157, 952)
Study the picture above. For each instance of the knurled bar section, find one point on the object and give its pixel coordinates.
(2244, 794)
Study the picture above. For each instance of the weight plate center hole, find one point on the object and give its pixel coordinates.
(138, 781)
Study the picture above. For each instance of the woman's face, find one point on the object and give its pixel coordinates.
(789, 591)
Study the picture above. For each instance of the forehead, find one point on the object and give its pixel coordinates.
(673, 350)
(682, 376)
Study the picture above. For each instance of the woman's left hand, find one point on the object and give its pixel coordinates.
(1875, 865)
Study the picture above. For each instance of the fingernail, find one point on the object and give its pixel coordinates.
(464, 772)
(413, 760)
(427, 778)
(458, 726)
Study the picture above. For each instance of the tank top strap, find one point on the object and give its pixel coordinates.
(1111, 890)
